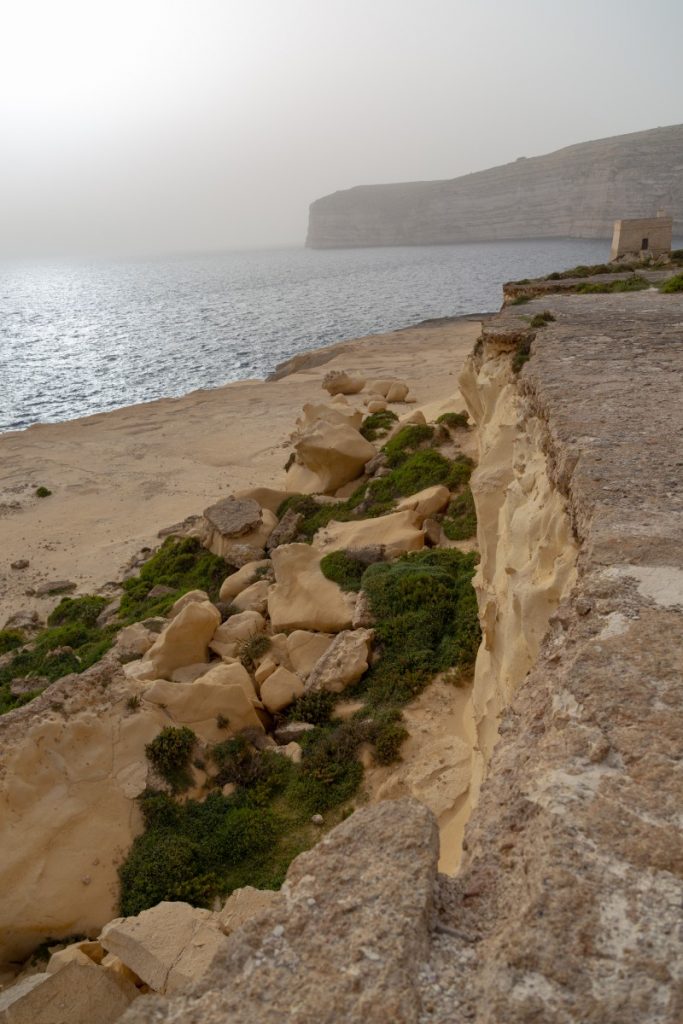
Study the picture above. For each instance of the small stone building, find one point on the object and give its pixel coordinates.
(642, 237)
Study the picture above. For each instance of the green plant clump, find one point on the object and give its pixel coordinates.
(252, 648)
(343, 570)
(43, 492)
(460, 520)
(377, 424)
(169, 754)
(10, 639)
(541, 319)
(407, 440)
(181, 565)
(314, 707)
(629, 284)
(673, 285)
(454, 420)
(81, 610)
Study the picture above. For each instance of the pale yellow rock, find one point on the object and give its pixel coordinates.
(240, 627)
(82, 952)
(267, 497)
(139, 671)
(199, 705)
(265, 669)
(134, 641)
(398, 392)
(302, 598)
(280, 689)
(377, 405)
(339, 382)
(243, 904)
(416, 418)
(116, 966)
(337, 413)
(427, 502)
(292, 751)
(80, 993)
(253, 598)
(334, 453)
(348, 489)
(240, 580)
(185, 640)
(168, 947)
(231, 675)
(398, 532)
(381, 387)
(305, 649)
(188, 673)
(343, 663)
(232, 549)
(188, 598)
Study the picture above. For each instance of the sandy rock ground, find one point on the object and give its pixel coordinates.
(117, 478)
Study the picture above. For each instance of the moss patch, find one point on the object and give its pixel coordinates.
(344, 571)
(460, 520)
(182, 565)
(377, 424)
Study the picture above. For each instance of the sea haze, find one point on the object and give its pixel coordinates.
(78, 339)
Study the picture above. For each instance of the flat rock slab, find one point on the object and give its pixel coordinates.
(233, 517)
(344, 943)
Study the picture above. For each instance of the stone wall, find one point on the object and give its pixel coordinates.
(629, 236)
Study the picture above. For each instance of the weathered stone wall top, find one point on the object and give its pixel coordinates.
(578, 191)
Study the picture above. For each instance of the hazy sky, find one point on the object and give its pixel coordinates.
(214, 123)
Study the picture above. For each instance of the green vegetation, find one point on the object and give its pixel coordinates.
(251, 649)
(521, 300)
(181, 565)
(592, 270)
(673, 284)
(407, 440)
(454, 420)
(377, 424)
(522, 353)
(169, 754)
(10, 639)
(82, 610)
(315, 707)
(629, 284)
(541, 319)
(43, 492)
(343, 570)
(460, 520)
(677, 255)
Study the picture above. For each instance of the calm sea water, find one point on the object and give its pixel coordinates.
(77, 339)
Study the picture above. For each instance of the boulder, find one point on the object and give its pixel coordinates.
(230, 675)
(133, 641)
(291, 732)
(343, 663)
(84, 952)
(339, 382)
(427, 502)
(201, 705)
(362, 613)
(280, 689)
(169, 946)
(384, 387)
(188, 598)
(377, 405)
(242, 548)
(337, 413)
(253, 598)
(398, 392)
(292, 751)
(185, 641)
(416, 418)
(347, 941)
(267, 497)
(302, 598)
(287, 530)
(265, 669)
(305, 648)
(188, 673)
(329, 455)
(233, 517)
(80, 993)
(240, 580)
(397, 532)
(243, 904)
(237, 628)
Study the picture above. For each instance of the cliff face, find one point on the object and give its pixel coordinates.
(575, 192)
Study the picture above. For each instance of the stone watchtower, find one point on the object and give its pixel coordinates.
(642, 238)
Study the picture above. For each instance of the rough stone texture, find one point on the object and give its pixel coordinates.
(185, 641)
(81, 993)
(329, 455)
(188, 598)
(199, 705)
(343, 663)
(280, 689)
(233, 517)
(578, 191)
(396, 533)
(339, 382)
(305, 649)
(169, 946)
(343, 944)
(302, 598)
(240, 580)
(243, 904)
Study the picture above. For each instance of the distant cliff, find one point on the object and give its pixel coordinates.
(578, 192)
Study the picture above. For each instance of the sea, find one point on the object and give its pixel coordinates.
(85, 337)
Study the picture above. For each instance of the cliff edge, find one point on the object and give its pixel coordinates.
(574, 192)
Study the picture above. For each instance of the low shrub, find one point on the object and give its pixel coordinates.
(673, 284)
(80, 610)
(169, 754)
(407, 440)
(629, 284)
(522, 353)
(181, 565)
(541, 319)
(43, 492)
(377, 424)
(10, 639)
(454, 420)
(314, 707)
(252, 648)
(460, 520)
(346, 572)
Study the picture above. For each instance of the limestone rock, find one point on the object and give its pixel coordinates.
(188, 598)
(305, 649)
(416, 418)
(240, 580)
(267, 497)
(233, 517)
(398, 532)
(377, 405)
(199, 705)
(169, 946)
(280, 689)
(185, 641)
(253, 598)
(83, 952)
(240, 549)
(133, 641)
(265, 669)
(188, 673)
(230, 675)
(362, 613)
(367, 888)
(243, 904)
(332, 454)
(339, 382)
(286, 530)
(427, 502)
(80, 993)
(291, 732)
(331, 413)
(237, 628)
(302, 598)
(398, 392)
(343, 663)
